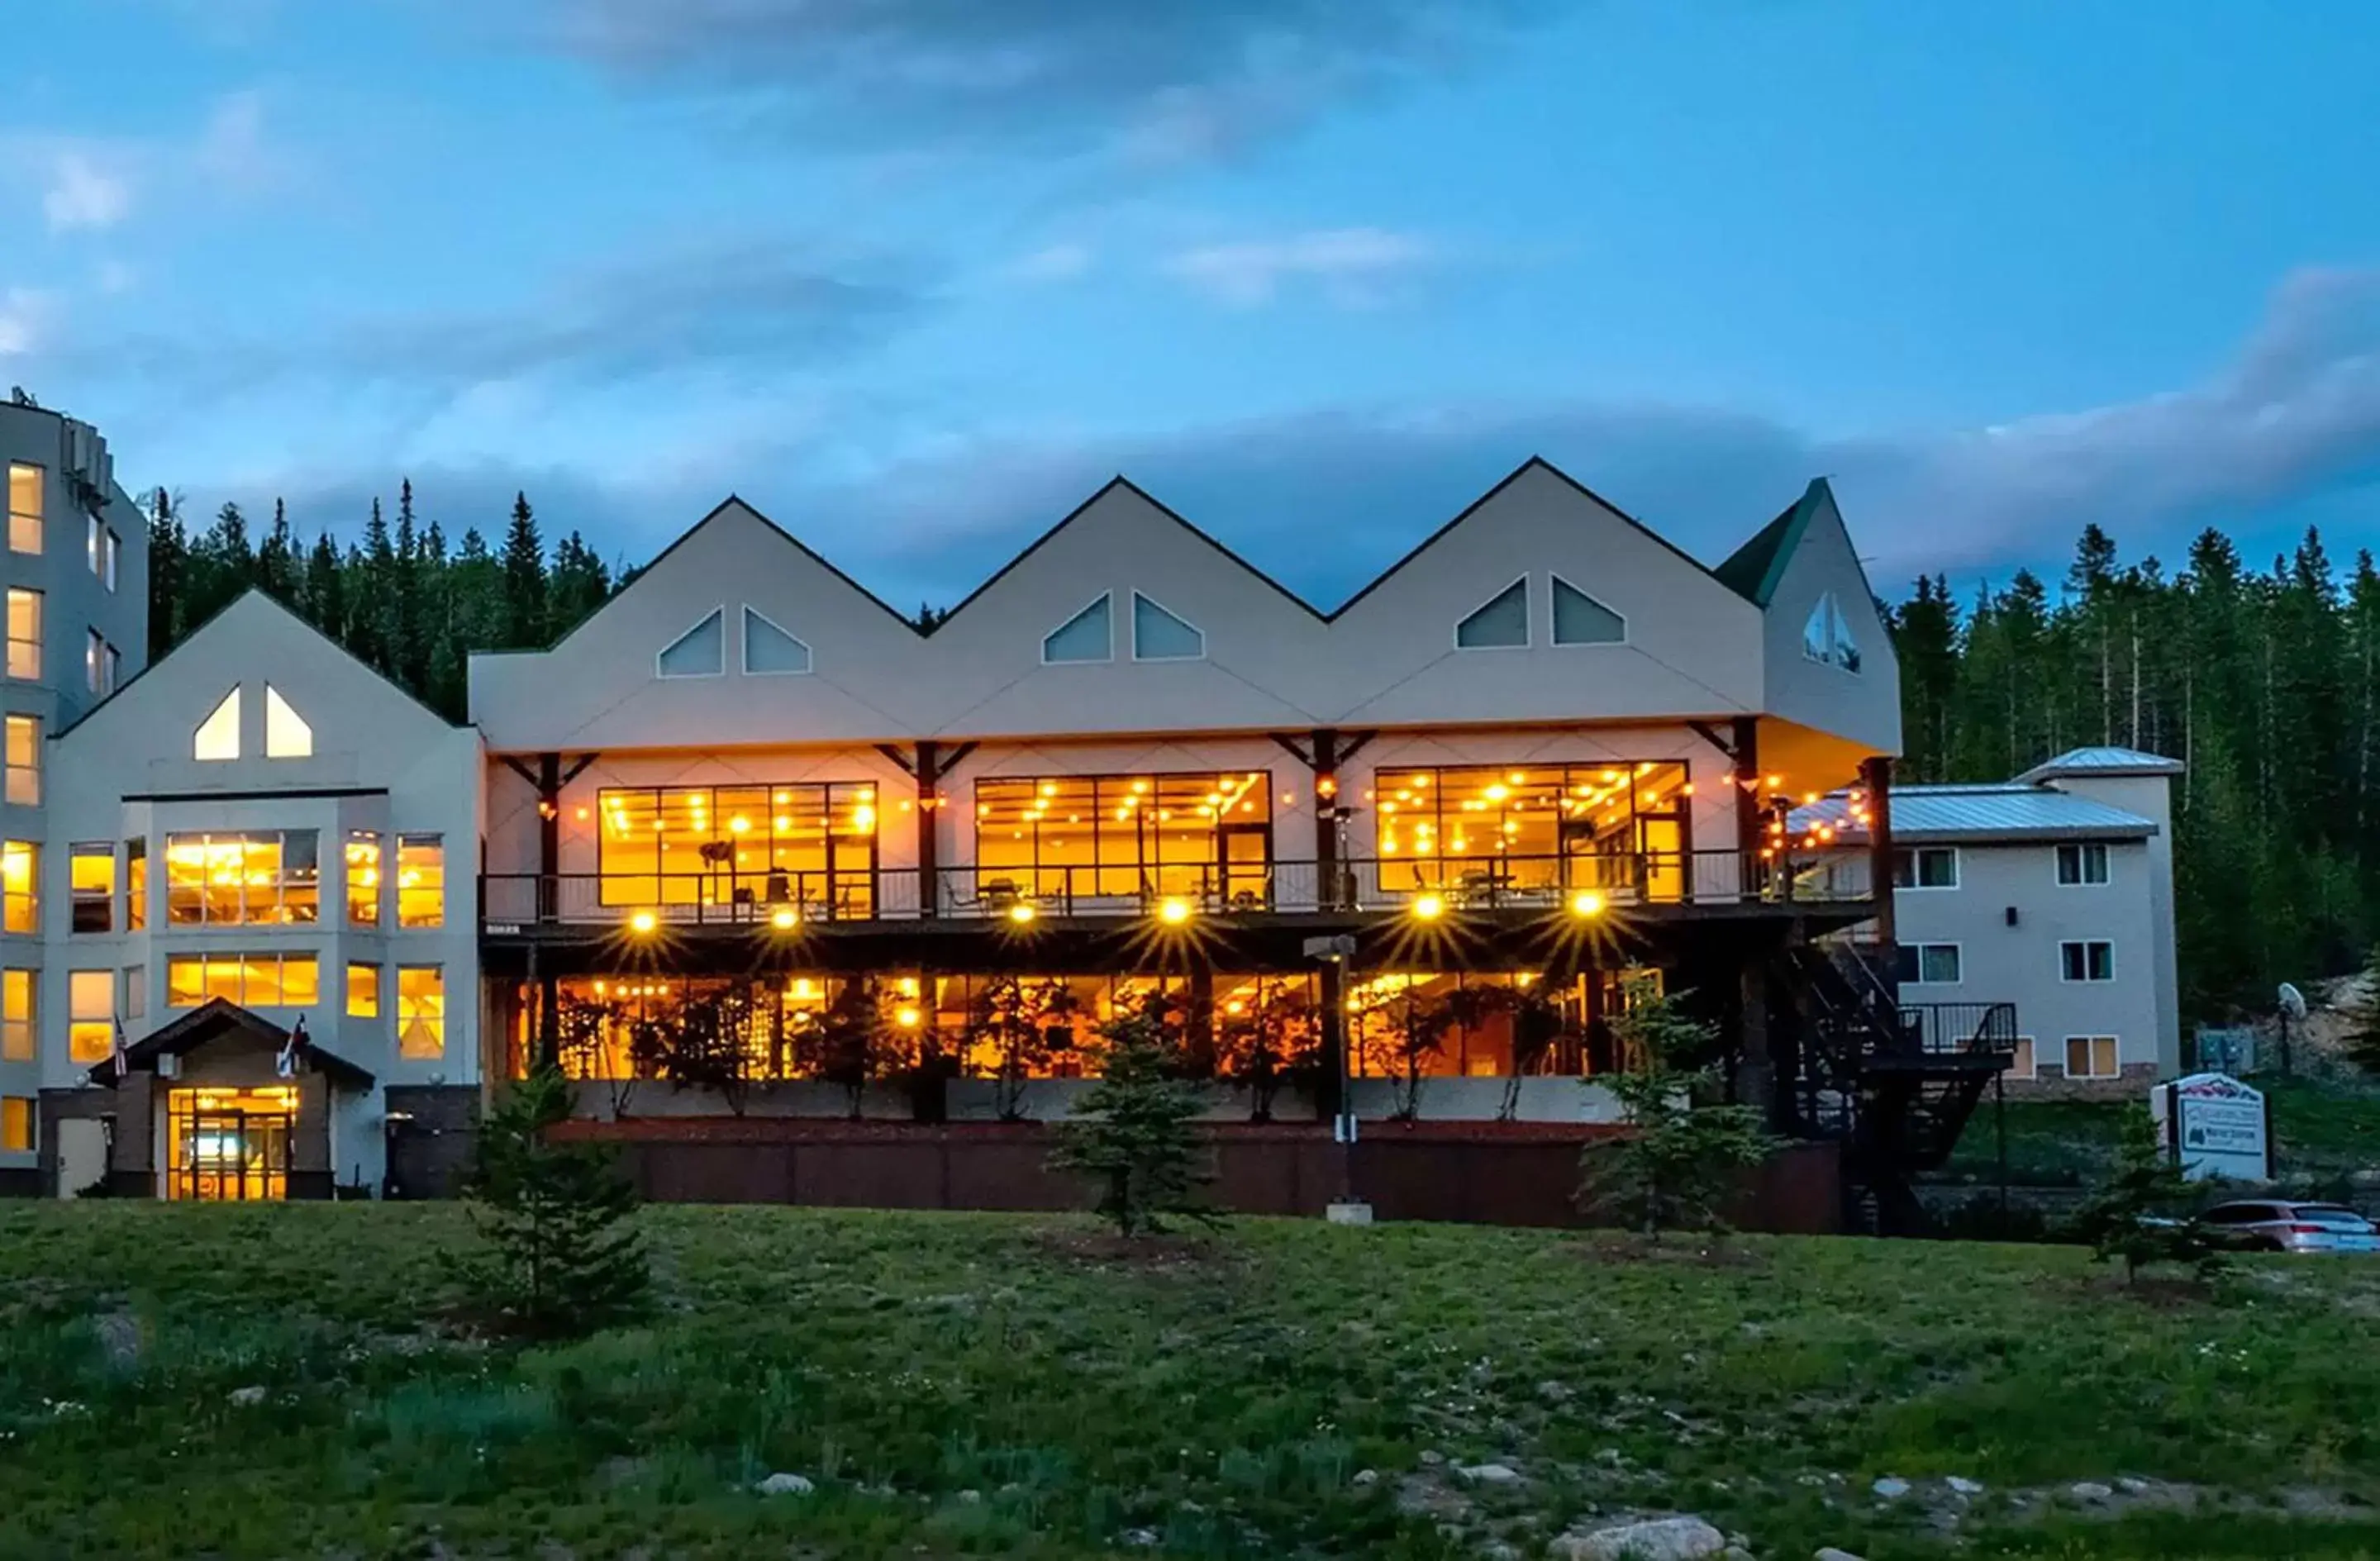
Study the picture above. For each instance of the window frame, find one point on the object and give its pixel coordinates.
(1140, 598)
(436, 844)
(38, 519)
(20, 1034)
(1914, 855)
(284, 876)
(1917, 953)
(686, 882)
(274, 700)
(2083, 880)
(135, 883)
(2026, 1052)
(282, 960)
(743, 649)
(83, 1047)
(20, 910)
(1148, 866)
(1528, 618)
(20, 1121)
(350, 876)
(1555, 584)
(30, 771)
(230, 702)
(662, 673)
(370, 970)
(94, 662)
(2091, 1042)
(2086, 945)
(1406, 865)
(111, 556)
(31, 648)
(1106, 657)
(437, 1021)
(81, 901)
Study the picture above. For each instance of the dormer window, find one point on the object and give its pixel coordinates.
(1089, 635)
(701, 653)
(1827, 639)
(1160, 635)
(769, 651)
(1499, 624)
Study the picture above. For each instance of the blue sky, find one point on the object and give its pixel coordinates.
(915, 277)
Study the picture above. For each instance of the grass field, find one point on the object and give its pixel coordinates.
(979, 1385)
(2321, 1131)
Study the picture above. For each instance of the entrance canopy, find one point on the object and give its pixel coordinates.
(225, 1026)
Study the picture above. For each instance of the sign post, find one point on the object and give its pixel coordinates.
(2215, 1126)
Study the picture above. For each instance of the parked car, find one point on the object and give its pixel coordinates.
(2261, 1224)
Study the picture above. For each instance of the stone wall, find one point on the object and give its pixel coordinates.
(2049, 1083)
(432, 1129)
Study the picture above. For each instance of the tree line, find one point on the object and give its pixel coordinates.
(2264, 682)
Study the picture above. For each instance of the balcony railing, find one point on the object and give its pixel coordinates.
(1958, 1029)
(828, 896)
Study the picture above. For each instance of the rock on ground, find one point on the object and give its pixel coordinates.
(1683, 1538)
(1890, 1489)
(1489, 1474)
(1962, 1486)
(1829, 1553)
(2089, 1490)
(783, 1484)
(248, 1397)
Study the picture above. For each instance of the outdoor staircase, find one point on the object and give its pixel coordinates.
(1893, 1083)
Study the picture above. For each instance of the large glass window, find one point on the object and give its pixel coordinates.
(363, 879)
(17, 1014)
(90, 879)
(24, 634)
(135, 883)
(17, 1123)
(90, 1015)
(236, 878)
(1487, 831)
(420, 881)
(422, 1012)
(24, 755)
(20, 878)
(250, 980)
(363, 990)
(809, 844)
(24, 508)
(1075, 836)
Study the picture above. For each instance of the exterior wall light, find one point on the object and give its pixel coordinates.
(643, 923)
(1587, 904)
(1022, 912)
(1427, 907)
(783, 918)
(907, 1017)
(1173, 912)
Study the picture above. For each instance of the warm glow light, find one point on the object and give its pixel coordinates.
(908, 986)
(1173, 912)
(1496, 793)
(907, 1017)
(739, 824)
(1327, 787)
(782, 918)
(1587, 904)
(1021, 912)
(805, 989)
(643, 923)
(862, 818)
(1428, 907)
(1236, 1006)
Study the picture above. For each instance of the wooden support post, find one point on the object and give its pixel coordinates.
(1749, 830)
(1875, 775)
(549, 836)
(927, 771)
(1328, 1096)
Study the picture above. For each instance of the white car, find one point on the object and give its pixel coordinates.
(2260, 1225)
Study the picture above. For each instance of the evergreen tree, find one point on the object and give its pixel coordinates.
(2133, 1216)
(524, 584)
(1683, 1151)
(1134, 1132)
(169, 571)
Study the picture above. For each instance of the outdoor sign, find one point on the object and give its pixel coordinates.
(2226, 1048)
(2215, 1126)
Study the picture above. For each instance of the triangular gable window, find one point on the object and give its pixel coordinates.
(701, 653)
(1827, 639)
(1158, 636)
(1579, 619)
(287, 736)
(1501, 625)
(218, 735)
(769, 651)
(1087, 636)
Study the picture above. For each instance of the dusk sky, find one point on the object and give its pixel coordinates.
(915, 276)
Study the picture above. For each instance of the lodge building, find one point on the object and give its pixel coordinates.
(1407, 859)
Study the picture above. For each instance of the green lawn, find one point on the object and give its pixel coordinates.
(975, 1385)
(2321, 1130)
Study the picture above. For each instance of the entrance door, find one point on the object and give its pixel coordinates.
(1246, 852)
(230, 1145)
(82, 1154)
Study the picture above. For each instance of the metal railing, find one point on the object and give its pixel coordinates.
(788, 897)
(1958, 1029)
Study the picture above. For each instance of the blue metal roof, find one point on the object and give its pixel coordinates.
(2103, 761)
(2002, 811)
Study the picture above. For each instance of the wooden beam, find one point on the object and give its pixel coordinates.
(897, 757)
(518, 768)
(575, 770)
(1713, 736)
(1353, 747)
(1300, 755)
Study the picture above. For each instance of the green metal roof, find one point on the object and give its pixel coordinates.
(1755, 570)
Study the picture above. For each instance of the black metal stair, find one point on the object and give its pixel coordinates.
(1894, 1084)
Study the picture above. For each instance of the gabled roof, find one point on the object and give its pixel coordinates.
(212, 1020)
(1996, 812)
(1755, 570)
(2077, 762)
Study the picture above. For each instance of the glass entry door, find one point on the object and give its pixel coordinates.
(230, 1145)
(1247, 865)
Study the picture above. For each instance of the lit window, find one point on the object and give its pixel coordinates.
(1087, 636)
(1544, 831)
(17, 1018)
(2091, 1057)
(287, 736)
(218, 735)
(363, 990)
(1930, 868)
(135, 883)
(1122, 837)
(421, 1012)
(111, 558)
(258, 876)
(420, 881)
(2087, 959)
(15, 1124)
(363, 879)
(2079, 864)
(91, 882)
(701, 653)
(20, 876)
(250, 980)
(24, 634)
(1827, 639)
(1930, 965)
(1579, 619)
(93, 544)
(24, 508)
(94, 661)
(1503, 624)
(1159, 636)
(90, 1015)
(24, 760)
(763, 846)
(769, 651)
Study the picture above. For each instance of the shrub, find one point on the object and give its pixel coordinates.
(1132, 1132)
(2133, 1215)
(1682, 1155)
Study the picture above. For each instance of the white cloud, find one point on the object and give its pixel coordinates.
(82, 195)
(232, 151)
(25, 314)
(1059, 262)
(1352, 265)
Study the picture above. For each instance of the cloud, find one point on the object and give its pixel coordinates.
(1058, 263)
(232, 152)
(25, 312)
(1352, 265)
(1152, 79)
(81, 196)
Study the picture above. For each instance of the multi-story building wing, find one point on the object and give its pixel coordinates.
(74, 566)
